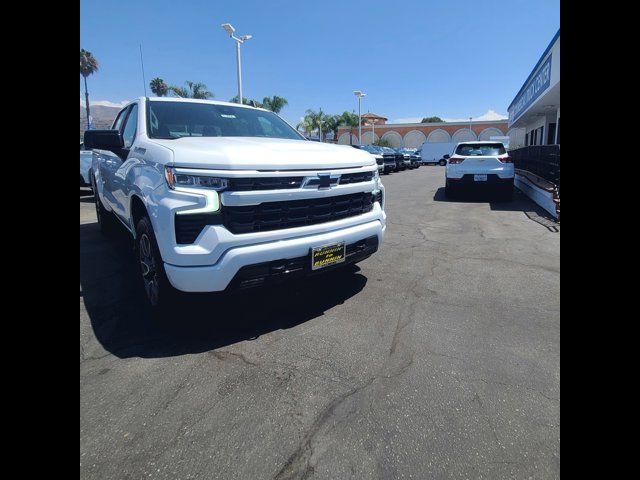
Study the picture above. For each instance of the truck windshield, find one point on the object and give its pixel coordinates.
(480, 149)
(171, 120)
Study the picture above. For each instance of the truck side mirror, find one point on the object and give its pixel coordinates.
(447, 156)
(103, 140)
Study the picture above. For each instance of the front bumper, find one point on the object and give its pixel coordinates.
(217, 277)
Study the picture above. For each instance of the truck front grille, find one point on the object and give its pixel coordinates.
(295, 213)
(283, 183)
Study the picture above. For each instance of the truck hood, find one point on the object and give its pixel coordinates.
(252, 153)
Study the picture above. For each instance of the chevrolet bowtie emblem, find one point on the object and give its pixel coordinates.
(325, 180)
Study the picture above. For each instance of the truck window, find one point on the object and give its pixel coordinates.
(130, 128)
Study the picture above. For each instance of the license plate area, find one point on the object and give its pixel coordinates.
(327, 255)
(480, 178)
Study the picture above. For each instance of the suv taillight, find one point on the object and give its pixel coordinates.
(506, 159)
(456, 160)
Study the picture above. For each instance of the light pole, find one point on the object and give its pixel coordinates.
(359, 94)
(470, 124)
(320, 129)
(230, 30)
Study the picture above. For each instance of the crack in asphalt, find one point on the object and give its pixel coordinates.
(477, 399)
(300, 463)
(224, 355)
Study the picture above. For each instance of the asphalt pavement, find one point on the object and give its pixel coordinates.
(437, 358)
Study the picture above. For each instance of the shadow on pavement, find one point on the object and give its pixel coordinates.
(520, 203)
(113, 298)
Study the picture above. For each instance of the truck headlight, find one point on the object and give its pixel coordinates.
(176, 179)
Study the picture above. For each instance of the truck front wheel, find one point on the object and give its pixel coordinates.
(159, 292)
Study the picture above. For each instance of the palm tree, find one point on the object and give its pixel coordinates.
(159, 87)
(275, 103)
(194, 90)
(246, 101)
(331, 124)
(317, 121)
(314, 119)
(88, 66)
(305, 125)
(350, 120)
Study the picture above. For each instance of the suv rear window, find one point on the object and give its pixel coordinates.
(480, 149)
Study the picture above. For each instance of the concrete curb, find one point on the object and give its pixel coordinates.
(541, 191)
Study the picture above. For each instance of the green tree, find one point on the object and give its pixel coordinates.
(275, 103)
(193, 90)
(432, 120)
(159, 87)
(332, 122)
(382, 142)
(247, 101)
(349, 119)
(88, 66)
(305, 126)
(316, 120)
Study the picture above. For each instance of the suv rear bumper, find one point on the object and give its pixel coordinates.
(216, 278)
(492, 179)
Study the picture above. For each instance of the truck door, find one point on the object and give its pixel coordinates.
(108, 163)
(118, 179)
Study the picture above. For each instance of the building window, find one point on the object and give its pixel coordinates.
(526, 139)
(551, 135)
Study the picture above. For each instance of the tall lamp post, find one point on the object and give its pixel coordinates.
(470, 124)
(373, 130)
(239, 40)
(359, 94)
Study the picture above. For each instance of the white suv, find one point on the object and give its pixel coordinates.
(220, 196)
(483, 164)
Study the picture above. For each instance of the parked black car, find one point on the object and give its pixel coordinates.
(390, 164)
(399, 158)
(411, 155)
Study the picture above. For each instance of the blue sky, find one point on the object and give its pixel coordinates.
(413, 58)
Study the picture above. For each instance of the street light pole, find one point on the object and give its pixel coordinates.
(238, 63)
(470, 124)
(359, 94)
(239, 40)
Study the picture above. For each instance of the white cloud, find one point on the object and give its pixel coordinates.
(489, 115)
(408, 120)
(105, 103)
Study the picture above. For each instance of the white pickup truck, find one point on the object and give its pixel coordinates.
(220, 196)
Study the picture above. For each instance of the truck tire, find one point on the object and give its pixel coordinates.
(159, 292)
(442, 162)
(106, 221)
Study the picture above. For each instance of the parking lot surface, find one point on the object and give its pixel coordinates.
(438, 357)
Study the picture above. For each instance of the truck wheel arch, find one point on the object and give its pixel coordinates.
(138, 210)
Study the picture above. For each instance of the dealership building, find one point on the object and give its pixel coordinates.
(413, 135)
(534, 113)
